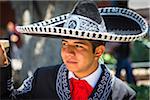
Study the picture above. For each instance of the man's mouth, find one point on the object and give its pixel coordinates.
(71, 62)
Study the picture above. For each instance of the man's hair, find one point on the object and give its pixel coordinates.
(96, 43)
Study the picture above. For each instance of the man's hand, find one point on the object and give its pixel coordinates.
(3, 56)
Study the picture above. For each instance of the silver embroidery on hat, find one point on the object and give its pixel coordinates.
(84, 24)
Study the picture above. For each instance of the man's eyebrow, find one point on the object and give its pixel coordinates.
(64, 41)
(77, 42)
(80, 43)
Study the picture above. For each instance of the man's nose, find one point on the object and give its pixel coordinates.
(70, 50)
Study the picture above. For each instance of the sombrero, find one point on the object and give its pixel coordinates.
(86, 21)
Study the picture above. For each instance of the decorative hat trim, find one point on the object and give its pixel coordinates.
(51, 27)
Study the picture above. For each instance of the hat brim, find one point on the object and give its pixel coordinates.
(123, 25)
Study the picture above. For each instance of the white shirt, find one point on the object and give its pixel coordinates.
(91, 79)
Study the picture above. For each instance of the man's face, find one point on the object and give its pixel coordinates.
(78, 56)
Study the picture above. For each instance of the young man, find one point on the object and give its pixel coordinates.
(81, 76)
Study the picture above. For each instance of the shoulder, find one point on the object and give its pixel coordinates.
(48, 70)
(121, 90)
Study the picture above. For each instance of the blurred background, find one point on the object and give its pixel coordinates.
(27, 53)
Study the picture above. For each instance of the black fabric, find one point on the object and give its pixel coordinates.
(44, 86)
(5, 75)
(94, 90)
(120, 23)
(87, 9)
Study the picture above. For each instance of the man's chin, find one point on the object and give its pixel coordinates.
(71, 67)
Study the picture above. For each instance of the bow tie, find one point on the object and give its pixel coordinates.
(80, 89)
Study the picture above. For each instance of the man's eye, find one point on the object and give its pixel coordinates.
(64, 44)
(79, 46)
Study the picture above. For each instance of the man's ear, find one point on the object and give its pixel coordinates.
(99, 50)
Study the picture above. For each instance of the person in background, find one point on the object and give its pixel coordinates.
(15, 40)
(122, 51)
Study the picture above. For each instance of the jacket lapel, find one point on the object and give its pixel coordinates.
(101, 91)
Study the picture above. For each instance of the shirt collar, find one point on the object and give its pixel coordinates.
(91, 79)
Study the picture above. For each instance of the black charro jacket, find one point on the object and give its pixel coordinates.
(51, 83)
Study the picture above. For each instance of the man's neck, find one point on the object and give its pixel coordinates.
(89, 71)
(91, 79)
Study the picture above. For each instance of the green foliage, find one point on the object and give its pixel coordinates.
(109, 59)
(140, 52)
(143, 92)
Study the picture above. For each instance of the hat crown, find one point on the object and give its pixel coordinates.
(87, 8)
(85, 16)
